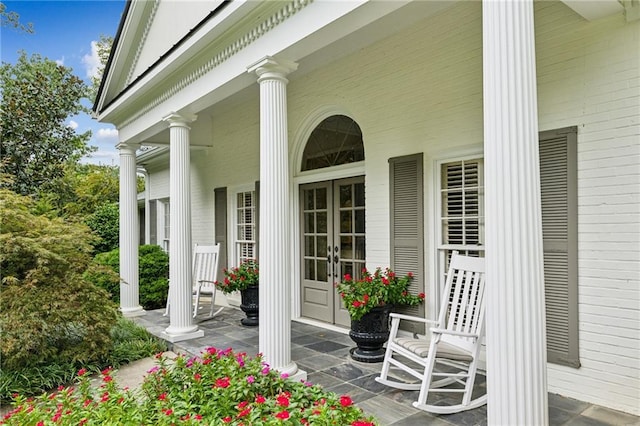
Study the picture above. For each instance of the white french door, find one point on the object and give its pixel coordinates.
(333, 244)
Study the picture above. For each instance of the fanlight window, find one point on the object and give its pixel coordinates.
(337, 140)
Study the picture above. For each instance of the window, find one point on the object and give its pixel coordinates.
(245, 241)
(461, 220)
(337, 140)
(164, 223)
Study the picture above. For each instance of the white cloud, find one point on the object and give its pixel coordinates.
(92, 62)
(60, 61)
(72, 124)
(107, 134)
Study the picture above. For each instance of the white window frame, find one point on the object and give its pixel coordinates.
(164, 223)
(235, 256)
(441, 247)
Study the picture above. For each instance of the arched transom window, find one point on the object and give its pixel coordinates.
(337, 140)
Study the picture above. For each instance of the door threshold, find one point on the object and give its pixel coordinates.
(321, 324)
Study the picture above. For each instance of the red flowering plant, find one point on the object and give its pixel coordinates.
(219, 387)
(377, 289)
(239, 277)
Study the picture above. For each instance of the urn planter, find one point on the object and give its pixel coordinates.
(249, 305)
(370, 333)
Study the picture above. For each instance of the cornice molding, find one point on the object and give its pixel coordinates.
(143, 41)
(223, 55)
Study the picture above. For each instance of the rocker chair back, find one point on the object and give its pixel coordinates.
(204, 275)
(449, 354)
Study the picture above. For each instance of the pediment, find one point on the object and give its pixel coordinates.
(149, 31)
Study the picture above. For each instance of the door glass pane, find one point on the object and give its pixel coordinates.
(308, 199)
(345, 196)
(359, 221)
(321, 198)
(321, 217)
(345, 221)
(346, 268)
(321, 246)
(346, 247)
(359, 253)
(322, 270)
(309, 246)
(309, 225)
(359, 194)
(309, 269)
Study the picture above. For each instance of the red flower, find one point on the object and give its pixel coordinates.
(222, 383)
(162, 396)
(282, 415)
(385, 281)
(242, 404)
(421, 295)
(410, 274)
(227, 419)
(82, 372)
(347, 277)
(244, 412)
(357, 303)
(282, 401)
(260, 399)
(198, 416)
(361, 423)
(197, 377)
(168, 411)
(345, 401)
(107, 379)
(366, 298)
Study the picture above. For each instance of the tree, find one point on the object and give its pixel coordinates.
(103, 47)
(37, 97)
(12, 20)
(50, 313)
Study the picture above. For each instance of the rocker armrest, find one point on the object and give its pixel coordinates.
(411, 318)
(206, 281)
(453, 332)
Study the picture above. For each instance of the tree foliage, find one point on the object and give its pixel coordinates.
(103, 47)
(105, 224)
(38, 96)
(50, 313)
(12, 20)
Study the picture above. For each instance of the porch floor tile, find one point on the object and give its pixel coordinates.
(324, 355)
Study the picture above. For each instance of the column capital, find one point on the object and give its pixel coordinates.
(127, 147)
(269, 68)
(179, 120)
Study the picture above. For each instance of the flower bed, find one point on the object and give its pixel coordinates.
(219, 387)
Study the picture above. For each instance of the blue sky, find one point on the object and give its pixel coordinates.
(64, 32)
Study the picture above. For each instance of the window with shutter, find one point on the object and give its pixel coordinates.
(462, 228)
(407, 221)
(245, 226)
(558, 184)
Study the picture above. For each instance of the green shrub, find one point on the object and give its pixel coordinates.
(105, 223)
(49, 314)
(153, 276)
(130, 342)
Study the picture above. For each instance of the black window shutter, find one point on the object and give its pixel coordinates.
(220, 223)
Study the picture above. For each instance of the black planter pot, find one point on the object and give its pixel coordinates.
(370, 334)
(249, 305)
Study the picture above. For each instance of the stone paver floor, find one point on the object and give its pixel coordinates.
(324, 355)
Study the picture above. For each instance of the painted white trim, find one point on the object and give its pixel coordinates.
(298, 177)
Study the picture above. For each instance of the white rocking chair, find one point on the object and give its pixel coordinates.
(205, 271)
(455, 341)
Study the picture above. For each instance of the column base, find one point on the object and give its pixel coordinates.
(299, 376)
(132, 312)
(179, 335)
(292, 372)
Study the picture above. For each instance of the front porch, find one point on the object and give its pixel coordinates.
(324, 354)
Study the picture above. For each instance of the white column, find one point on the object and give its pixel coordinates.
(129, 232)
(516, 343)
(181, 326)
(275, 247)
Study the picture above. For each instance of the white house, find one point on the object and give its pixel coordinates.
(324, 136)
